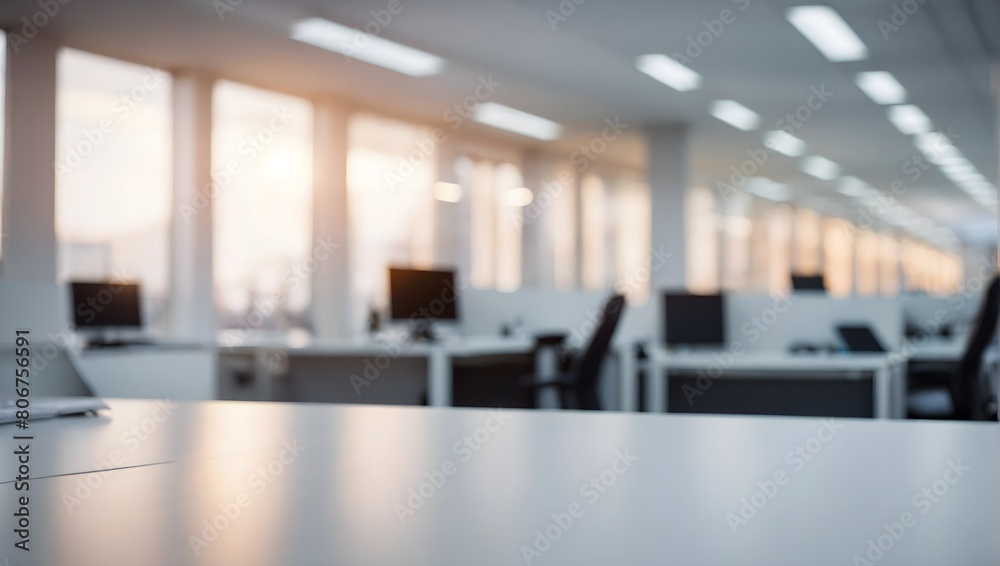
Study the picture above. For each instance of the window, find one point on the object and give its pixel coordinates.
(838, 256)
(807, 242)
(702, 234)
(593, 237)
(498, 198)
(866, 263)
(779, 232)
(391, 171)
(633, 240)
(888, 277)
(262, 216)
(737, 229)
(113, 174)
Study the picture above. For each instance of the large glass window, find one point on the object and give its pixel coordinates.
(633, 240)
(392, 168)
(593, 236)
(838, 256)
(113, 174)
(702, 233)
(498, 198)
(262, 163)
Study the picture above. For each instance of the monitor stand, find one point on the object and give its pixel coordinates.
(108, 339)
(422, 331)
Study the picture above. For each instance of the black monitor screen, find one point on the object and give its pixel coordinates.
(422, 294)
(694, 319)
(106, 305)
(808, 283)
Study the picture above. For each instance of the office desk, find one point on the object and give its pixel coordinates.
(439, 355)
(938, 349)
(888, 378)
(311, 485)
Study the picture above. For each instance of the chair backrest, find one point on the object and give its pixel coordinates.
(966, 389)
(587, 367)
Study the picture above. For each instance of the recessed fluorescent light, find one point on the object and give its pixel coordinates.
(766, 188)
(513, 120)
(447, 192)
(785, 143)
(820, 167)
(521, 196)
(853, 187)
(735, 114)
(366, 47)
(668, 72)
(909, 119)
(881, 87)
(825, 29)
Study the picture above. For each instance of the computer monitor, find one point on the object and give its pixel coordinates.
(860, 339)
(416, 294)
(106, 305)
(694, 320)
(808, 283)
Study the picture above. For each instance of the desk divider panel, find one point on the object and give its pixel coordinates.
(765, 324)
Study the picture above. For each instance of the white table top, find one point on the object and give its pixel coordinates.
(472, 346)
(336, 501)
(697, 359)
(940, 349)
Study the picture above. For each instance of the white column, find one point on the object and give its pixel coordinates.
(192, 305)
(332, 314)
(667, 156)
(29, 246)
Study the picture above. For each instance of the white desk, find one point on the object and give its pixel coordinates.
(335, 502)
(888, 378)
(439, 355)
(938, 349)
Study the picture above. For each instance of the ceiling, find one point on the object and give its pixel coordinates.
(579, 71)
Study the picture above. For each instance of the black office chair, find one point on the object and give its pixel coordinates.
(966, 396)
(578, 386)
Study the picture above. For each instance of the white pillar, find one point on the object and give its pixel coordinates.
(192, 305)
(667, 156)
(332, 314)
(29, 244)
